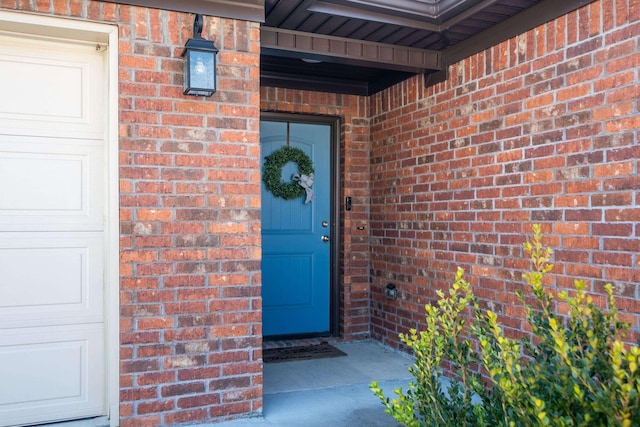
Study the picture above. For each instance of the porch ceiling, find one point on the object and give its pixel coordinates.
(363, 46)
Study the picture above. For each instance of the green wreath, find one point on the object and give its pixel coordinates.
(272, 172)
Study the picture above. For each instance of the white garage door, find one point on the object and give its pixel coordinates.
(52, 363)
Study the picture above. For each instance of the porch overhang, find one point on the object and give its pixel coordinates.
(363, 46)
(341, 50)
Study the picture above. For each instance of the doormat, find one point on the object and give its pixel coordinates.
(307, 352)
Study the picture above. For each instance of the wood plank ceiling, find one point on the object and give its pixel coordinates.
(364, 46)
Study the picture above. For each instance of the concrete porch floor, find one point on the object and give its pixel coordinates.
(331, 392)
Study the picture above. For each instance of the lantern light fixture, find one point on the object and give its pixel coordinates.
(199, 58)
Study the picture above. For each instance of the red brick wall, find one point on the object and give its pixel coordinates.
(190, 320)
(190, 222)
(354, 181)
(543, 128)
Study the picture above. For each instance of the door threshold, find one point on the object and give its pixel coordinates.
(296, 342)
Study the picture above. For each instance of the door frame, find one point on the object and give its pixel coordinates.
(103, 36)
(334, 204)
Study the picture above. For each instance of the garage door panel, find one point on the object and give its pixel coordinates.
(27, 73)
(51, 375)
(63, 108)
(50, 278)
(49, 185)
(29, 190)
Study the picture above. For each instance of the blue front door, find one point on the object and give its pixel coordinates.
(295, 234)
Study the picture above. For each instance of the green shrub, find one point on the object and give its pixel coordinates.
(574, 371)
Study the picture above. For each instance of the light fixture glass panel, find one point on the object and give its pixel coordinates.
(201, 73)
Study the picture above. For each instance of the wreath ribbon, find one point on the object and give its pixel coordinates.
(306, 182)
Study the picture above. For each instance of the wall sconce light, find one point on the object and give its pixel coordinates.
(199, 57)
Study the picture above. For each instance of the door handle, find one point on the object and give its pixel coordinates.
(325, 238)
